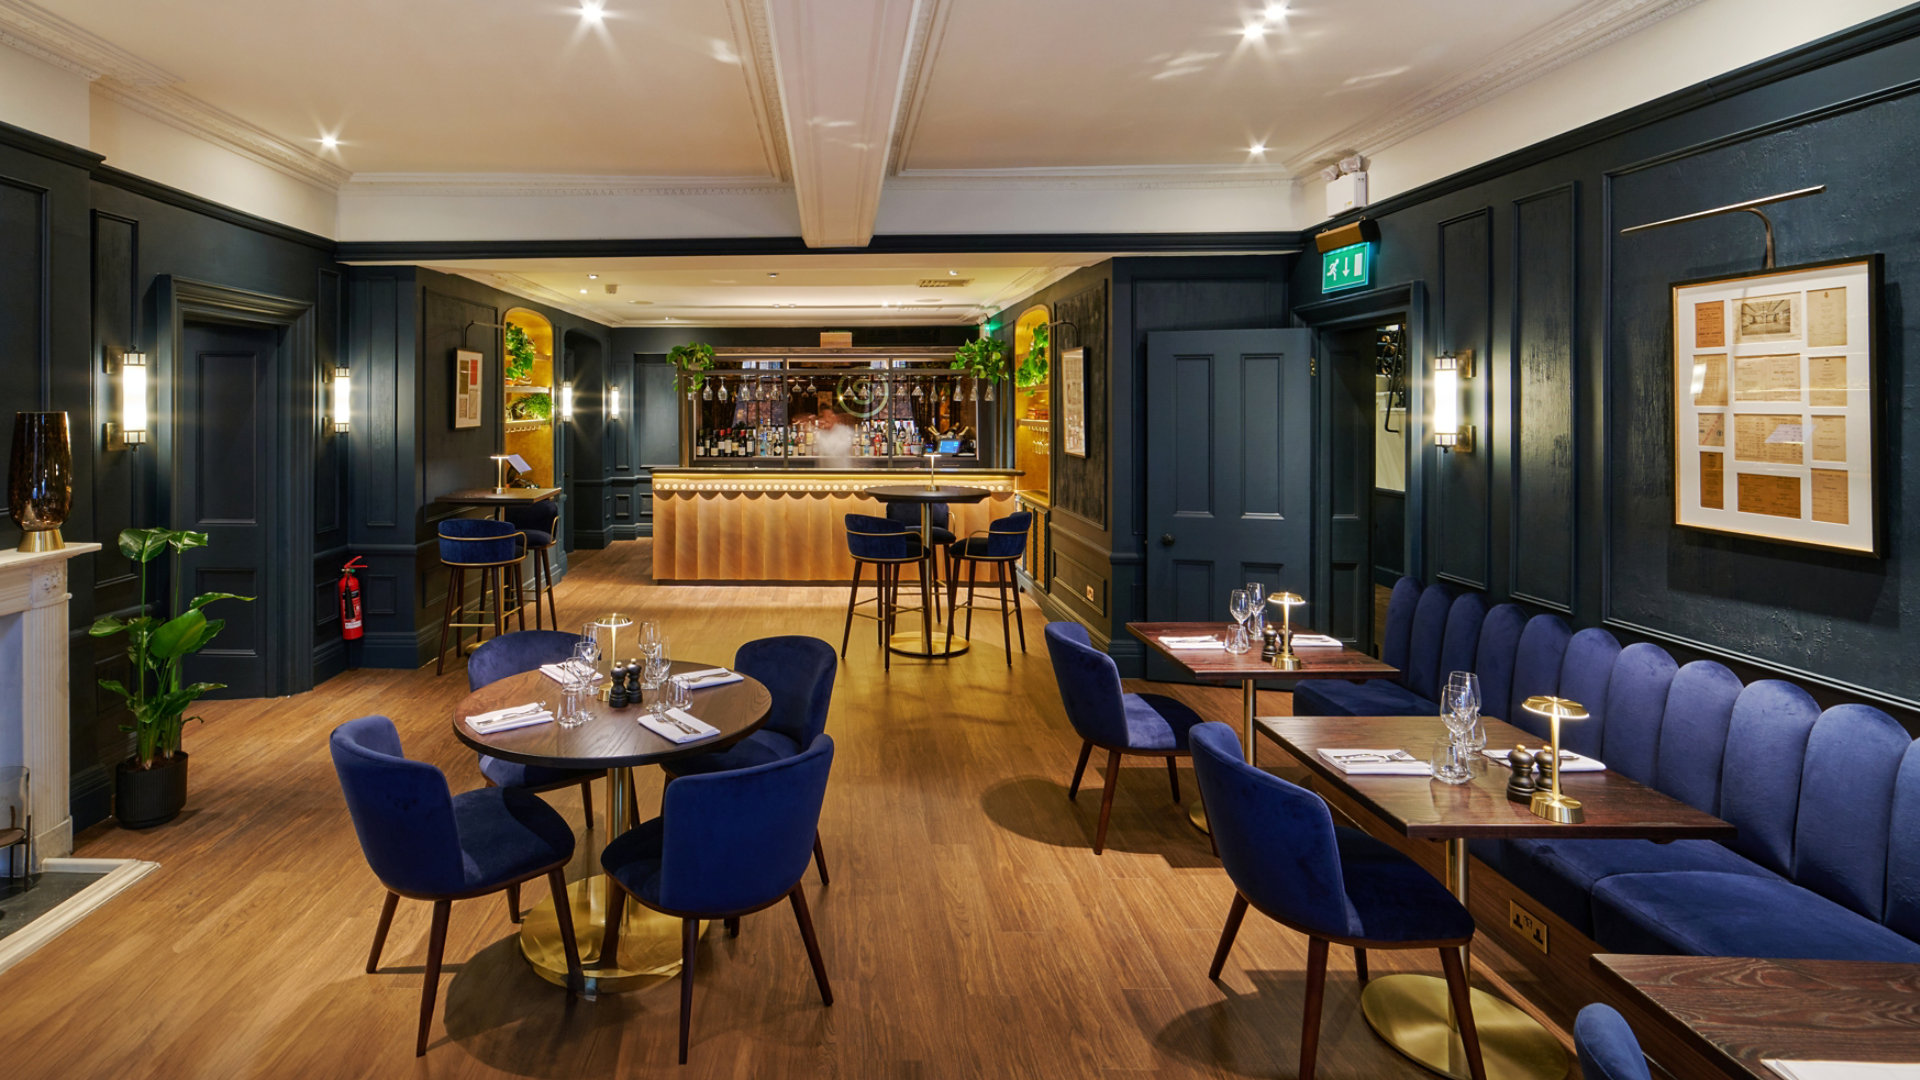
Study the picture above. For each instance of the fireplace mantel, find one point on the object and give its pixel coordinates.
(34, 725)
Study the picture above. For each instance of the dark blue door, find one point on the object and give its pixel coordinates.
(1230, 482)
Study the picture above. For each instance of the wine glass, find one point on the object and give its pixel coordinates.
(1257, 621)
(654, 669)
(1460, 709)
(649, 633)
(1240, 605)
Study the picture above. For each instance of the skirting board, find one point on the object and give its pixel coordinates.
(116, 876)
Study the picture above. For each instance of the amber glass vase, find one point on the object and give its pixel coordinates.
(40, 478)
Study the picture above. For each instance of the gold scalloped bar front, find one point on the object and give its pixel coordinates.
(786, 525)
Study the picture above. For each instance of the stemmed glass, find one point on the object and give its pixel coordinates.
(654, 669)
(1240, 605)
(1460, 710)
(1257, 621)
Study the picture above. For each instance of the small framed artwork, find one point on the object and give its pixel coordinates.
(468, 387)
(1776, 405)
(1073, 398)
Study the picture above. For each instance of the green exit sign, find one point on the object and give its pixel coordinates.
(1350, 267)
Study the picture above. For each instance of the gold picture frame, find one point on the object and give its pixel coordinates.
(1776, 405)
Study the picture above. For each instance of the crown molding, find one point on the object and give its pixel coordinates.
(1107, 177)
(45, 36)
(554, 184)
(526, 289)
(754, 45)
(923, 45)
(1553, 46)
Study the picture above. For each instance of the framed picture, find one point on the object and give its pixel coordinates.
(468, 387)
(1776, 405)
(1073, 401)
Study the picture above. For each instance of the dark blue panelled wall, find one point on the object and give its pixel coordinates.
(1566, 500)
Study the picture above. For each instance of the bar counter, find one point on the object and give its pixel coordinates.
(766, 524)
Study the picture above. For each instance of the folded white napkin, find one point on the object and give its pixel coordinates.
(1315, 641)
(518, 716)
(671, 732)
(1188, 642)
(1843, 1070)
(710, 677)
(1569, 761)
(1376, 762)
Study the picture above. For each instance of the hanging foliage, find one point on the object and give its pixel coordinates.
(1033, 370)
(520, 355)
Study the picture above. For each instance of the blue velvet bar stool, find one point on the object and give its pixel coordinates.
(495, 548)
(1607, 1047)
(886, 545)
(425, 843)
(1287, 859)
(939, 534)
(1106, 716)
(798, 672)
(726, 844)
(1000, 545)
(540, 524)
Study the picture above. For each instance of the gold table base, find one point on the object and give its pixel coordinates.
(1414, 1015)
(912, 643)
(649, 941)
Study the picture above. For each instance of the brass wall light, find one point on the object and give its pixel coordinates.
(342, 399)
(566, 401)
(131, 431)
(1448, 370)
(613, 403)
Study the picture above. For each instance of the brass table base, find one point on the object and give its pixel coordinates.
(1197, 814)
(1412, 1013)
(911, 643)
(649, 941)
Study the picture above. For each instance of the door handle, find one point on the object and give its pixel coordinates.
(1166, 539)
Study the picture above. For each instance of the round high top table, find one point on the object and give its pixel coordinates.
(646, 944)
(909, 643)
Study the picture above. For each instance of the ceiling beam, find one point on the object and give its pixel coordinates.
(840, 66)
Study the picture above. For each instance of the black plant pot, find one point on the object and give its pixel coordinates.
(143, 798)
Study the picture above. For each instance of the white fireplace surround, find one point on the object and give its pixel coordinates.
(35, 730)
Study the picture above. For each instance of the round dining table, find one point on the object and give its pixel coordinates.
(906, 642)
(645, 945)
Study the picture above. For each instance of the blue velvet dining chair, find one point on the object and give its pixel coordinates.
(1106, 716)
(798, 672)
(1287, 859)
(1607, 1048)
(726, 844)
(425, 843)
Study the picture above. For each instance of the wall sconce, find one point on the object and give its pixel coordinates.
(1448, 432)
(566, 401)
(342, 399)
(131, 431)
(613, 403)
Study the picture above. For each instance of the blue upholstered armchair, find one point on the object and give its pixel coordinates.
(1607, 1048)
(727, 844)
(425, 843)
(1106, 716)
(886, 545)
(514, 654)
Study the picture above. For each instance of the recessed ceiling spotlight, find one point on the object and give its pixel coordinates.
(329, 142)
(593, 277)
(1253, 32)
(583, 290)
(1257, 149)
(1276, 11)
(773, 275)
(593, 12)
(953, 273)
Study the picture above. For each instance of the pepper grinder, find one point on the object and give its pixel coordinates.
(1520, 786)
(617, 692)
(1269, 642)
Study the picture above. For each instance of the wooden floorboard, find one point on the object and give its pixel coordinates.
(969, 931)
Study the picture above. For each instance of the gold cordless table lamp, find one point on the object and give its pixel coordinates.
(1551, 804)
(1285, 659)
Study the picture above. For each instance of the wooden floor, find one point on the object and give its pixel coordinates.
(969, 931)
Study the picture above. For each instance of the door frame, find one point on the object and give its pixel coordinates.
(288, 571)
(1358, 311)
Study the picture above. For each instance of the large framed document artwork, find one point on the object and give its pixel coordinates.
(1776, 405)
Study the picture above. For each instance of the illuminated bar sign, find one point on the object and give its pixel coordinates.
(1349, 267)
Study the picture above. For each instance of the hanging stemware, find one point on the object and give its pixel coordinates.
(723, 389)
(706, 390)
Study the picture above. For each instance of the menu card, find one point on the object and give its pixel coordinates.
(1843, 1070)
(1376, 762)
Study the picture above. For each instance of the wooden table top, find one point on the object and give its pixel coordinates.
(1426, 809)
(490, 497)
(920, 493)
(613, 737)
(1736, 1011)
(1219, 665)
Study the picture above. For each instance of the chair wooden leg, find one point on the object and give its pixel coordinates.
(853, 601)
(1106, 801)
(586, 799)
(1316, 993)
(563, 911)
(379, 932)
(1018, 619)
(1360, 965)
(499, 600)
(1080, 769)
(616, 918)
(820, 859)
(689, 940)
(1227, 933)
(520, 595)
(633, 801)
(1173, 777)
(460, 614)
(513, 902)
(1462, 995)
(436, 948)
(887, 614)
(973, 570)
(805, 919)
(732, 925)
(1004, 578)
(446, 622)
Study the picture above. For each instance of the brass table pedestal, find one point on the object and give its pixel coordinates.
(1415, 1016)
(1249, 704)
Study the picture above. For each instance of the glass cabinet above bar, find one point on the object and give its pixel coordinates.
(835, 409)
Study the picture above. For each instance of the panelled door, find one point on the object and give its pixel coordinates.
(224, 437)
(1345, 576)
(1230, 446)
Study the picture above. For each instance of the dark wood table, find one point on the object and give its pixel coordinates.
(925, 495)
(498, 500)
(645, 945)
(1734, 1011)
(1412, 1012)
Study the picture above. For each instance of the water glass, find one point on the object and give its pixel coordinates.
(577, 688)
(679, 693)
(1452, 762)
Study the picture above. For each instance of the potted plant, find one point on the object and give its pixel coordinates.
(520, 356)
(692, 360)
(983, 358)
(1033, 370)
(151, 786)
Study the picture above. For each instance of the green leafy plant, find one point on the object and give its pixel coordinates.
(1033, 370)
(692, 360)
(530, 407)
(157, 647)
(520, 355)
(983, 358)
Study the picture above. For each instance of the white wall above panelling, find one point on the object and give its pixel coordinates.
(563, 208)
(44, 99)
(1133, 201)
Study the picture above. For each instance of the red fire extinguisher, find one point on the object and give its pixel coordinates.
(350, 599)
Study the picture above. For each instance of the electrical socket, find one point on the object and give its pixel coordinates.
(1524, 923)
(1090, 594)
